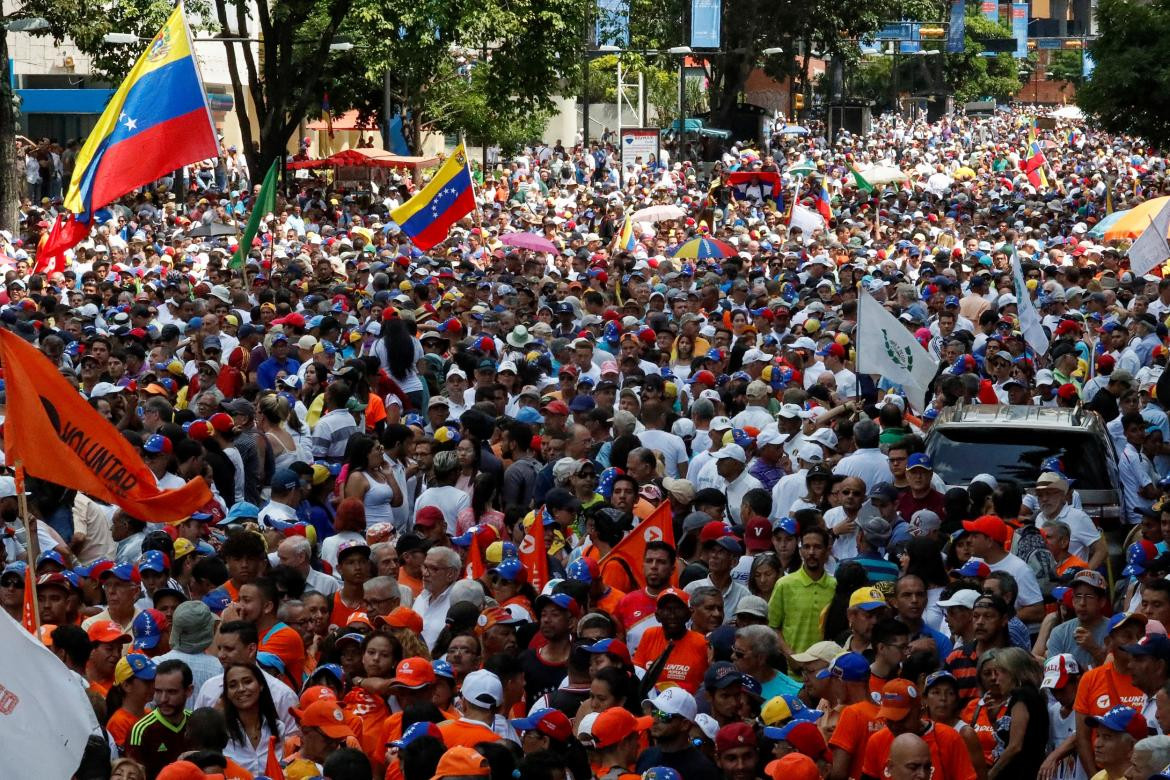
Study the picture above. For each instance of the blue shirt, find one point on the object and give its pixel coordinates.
(877, 569)
(267, 371)
(780, 685)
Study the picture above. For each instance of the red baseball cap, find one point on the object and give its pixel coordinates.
(221, 421)
(757, 535)
(556, 407)
(428, 516)
(681, 595)
(988, 525)
(735, 735)
(402, 617)
(704, 377)
(294, 319)
(715, 530)
(794, 766)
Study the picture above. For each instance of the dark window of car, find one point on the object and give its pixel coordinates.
(963, 452)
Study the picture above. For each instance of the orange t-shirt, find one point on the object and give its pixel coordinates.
(608, 603)
(375, 411)
(1103, 688)
(120, 724)
(854, 727)
(342, 611)
(372, 711)
(232, 591)
(102, 686)
(288, 646)
(467, 733)
(948, 753)
(687, 662)
(981, 724)
(615, 574)
(392, 729)
(414, 584)
(1071, 562)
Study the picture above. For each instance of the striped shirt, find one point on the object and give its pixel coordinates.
(331, 435)
(962, 663)
(796, 605)
(155, 742)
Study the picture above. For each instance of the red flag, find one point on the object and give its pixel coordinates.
(534, 551)
(65, 234)
(29, 618)
(53, 433)
(658, 527)
(272, 766)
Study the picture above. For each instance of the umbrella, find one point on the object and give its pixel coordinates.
(802, 169)
(1135, 220)
(883, 174)
(705, 249)
(529, 241)
(1068, 112)
(1098, 230)
(794, 130)
(939, 183)
(658, 214)
(213, 230)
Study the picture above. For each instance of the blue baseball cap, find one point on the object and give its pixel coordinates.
(787, 525)
(1121, 618)
(153, 560)
(134, 665)
(850, 667)
(240, 511)
(424, 728)
(443, 669)
(920, 460)
(146, 630)
(529, 416)
(661, 773)
(1122, 719)
(126, 572)
(1156, 645)
(510, 569)
(579, 570)
(217, 600)
(1138, 557)
(51, 556)
(270, 660)
(334, 670)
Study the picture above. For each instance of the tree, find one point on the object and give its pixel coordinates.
(1128, 91)
(970, 76)
(426, 53)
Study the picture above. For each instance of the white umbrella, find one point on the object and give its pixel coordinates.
(658, 213)
(1069, 112)
(46, 717)
(883, 174)
(939, 183)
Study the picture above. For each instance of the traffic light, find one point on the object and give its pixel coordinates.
(932, 32)
(798, 102)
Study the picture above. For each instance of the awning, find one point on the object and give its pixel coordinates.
(696, 126)
(367, 158)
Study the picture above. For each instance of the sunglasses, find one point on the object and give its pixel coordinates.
(663, 717)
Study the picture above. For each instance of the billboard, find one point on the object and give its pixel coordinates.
(706, 24)
(612, 27)
(638, 143)
(989, 9)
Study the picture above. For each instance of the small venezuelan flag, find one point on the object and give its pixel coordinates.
(447, 198)
(157, 121)
(626, 240)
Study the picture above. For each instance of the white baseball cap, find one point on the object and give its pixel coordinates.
(721, 423)
(673, 701)
(732, 452)
(963, 598)
(483, 689)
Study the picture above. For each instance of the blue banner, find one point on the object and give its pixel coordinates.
(990, 10)
(958, 28)
(1020, 29)
(1049, 43)
(705, 24)
(613, 23)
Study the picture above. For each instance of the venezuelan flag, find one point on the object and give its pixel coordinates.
(821, 201)
(447, 198)
(626, 241)
(157, 121)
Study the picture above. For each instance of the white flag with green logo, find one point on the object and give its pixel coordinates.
(887, 349)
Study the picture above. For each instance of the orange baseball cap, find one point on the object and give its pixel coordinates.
(414, 673)
(107, 631)
(402, 617)
(898, 698)
(794, 766)
(315, 693)
(326, 716)
(615, 724)
(988, 525)
(359, 618)
(185, 770)
(677, 593)
(461, 762)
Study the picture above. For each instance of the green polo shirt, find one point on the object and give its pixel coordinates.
(796, 606)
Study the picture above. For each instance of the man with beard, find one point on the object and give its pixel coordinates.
(637, 609)
(737, 751)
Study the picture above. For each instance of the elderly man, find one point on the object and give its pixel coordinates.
(753, 650)
(842, 521)
(1118, 731)
(1085, 539)
(383, 595)
(296, 552)
(867, 462)
(731, 463)
(1150, 756)
(440, 569)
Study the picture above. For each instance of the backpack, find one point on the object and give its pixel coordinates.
(1028, 545)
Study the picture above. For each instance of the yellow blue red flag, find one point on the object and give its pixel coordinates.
(626, 240)
(446, 199)
(157, 121)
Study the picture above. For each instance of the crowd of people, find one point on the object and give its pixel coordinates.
(381, 429)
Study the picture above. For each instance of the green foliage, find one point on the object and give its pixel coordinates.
(972, 77)
(470, 111)
(1129, 90)
(1065, 66)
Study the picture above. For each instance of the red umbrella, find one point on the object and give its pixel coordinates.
(529, 241)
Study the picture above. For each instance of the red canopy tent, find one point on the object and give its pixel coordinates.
(367, 158)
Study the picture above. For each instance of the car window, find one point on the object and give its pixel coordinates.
(962, 452)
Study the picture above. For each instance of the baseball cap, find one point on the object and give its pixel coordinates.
(550, 722)
(1058, 669)
(961, 598)
(988, 525)
(824, 650)
(324, 714)
(757, 535)
(1155, 645)
(794, 766)
(732, 452)
(850, 667)
(804, 736)
(562, 600)
(482, 688)
(1091, 578)
(752, 605)
(919, 460)
(675, 593)
(134, 665)
(461, 762)
(674, 701)
(615, 724)
(1138, 557)
(898, 698)
(153, 560)
(735, 735)
(413, 673)
(148, 628)
(720, 675)
(1122, 719)
(781, 709)
(107, 631)
(867, 598)
(1121, 618)
(923, 522)
(614, 647)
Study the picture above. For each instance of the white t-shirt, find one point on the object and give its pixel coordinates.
(673, 449)
(449, 499)
(1083, 534)
(1025, 579)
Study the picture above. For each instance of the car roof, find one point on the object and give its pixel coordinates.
(1018, 416)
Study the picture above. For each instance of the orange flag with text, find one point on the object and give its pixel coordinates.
(54, 434)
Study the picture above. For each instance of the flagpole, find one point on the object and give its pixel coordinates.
(31, 543)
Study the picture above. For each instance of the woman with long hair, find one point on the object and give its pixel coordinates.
(350, 524)
(468, 451)
(367, 698)
(126, 702)
(850, 576)
(786, 543)
(923, 557)
(683, 355)
(816, 495)
(400, 353)
(252, 723)
(369, 479)
(272, 416)
(765, 571)
(482, 510)
(940, 697)
(1017, 678)
(609, 687)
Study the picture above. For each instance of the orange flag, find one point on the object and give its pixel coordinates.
(53, 433)
(657, 527)
(28, 616)
(272, 766)
(534, 551)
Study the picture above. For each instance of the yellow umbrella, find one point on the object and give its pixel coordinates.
(1136, 219)
(964, 173)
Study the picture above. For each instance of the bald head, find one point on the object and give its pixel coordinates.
(909, 758)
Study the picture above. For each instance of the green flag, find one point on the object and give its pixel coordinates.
(264, 204)
(859, 181)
